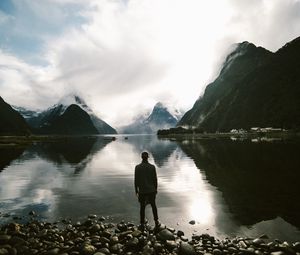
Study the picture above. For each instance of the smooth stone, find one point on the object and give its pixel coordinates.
(217, 252)
(16, 240)
(184, 238)
(136, 233)
(104, 250)
(232, 250)
(264, 236)
(258, 241)
(53, 251)
(296, 246)
(133, 242)
(171, 229)
(171, 245)
(180, 233)
(192, 222)
(104, 239)
(92, 216)
(88, 249)
(106, 234)
(242, 244)
(3, 251)
(157, 246)
(4, 239)
(116, 248)
(186, 249)
(99, 253)
(95, 228)
(165, 235)
(277, 253)
(114, 239)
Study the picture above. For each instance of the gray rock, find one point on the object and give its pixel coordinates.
(186, 249)
(95, 228)
(88, 249)
(258, 241)
(16, 240)
(180, 233)
(99, 253)
(104, 250)
(3, 251)
(114, 240)
(132, 243)
(4, 239)
(165, 235)
(217, 252)
(53, 251)
(184, 238)
(92, 216)
(157, 247)
(192, 222)
(171, 245)
(117, 248)
(136, 233)
(297, 246)
(148, 250)
(277, 253)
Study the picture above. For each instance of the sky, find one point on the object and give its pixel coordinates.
(124, 56)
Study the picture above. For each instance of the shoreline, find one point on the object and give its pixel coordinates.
(96, 235)
(238, 136)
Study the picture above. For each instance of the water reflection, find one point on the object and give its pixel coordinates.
(227, 187)
(8, 154)
(257, 180)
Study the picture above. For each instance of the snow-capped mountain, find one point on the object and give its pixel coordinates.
(42, 121)
(160, 118)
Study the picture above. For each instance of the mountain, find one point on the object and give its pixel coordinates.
(40, 121)
(160, 118)
(11, 122)
(73, 121)
(255, 88)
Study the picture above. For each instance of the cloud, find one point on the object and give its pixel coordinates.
(124, 56)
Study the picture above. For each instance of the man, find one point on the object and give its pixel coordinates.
(145, 183)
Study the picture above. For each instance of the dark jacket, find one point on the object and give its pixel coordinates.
(145, 178)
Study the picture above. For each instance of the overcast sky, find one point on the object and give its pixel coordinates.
(123, 56)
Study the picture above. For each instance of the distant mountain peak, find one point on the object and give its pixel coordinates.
(159, 105)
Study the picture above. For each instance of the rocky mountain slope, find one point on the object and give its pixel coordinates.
(42, 122)
(255, 88)
(11, 122)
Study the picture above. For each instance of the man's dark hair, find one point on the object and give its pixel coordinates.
(145, 155)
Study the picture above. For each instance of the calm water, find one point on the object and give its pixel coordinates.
(230, 188)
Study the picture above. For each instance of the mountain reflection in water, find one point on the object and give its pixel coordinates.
(228, 187)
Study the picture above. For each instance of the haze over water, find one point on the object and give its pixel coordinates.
(230, 188)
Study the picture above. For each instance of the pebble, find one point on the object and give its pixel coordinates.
(94, 237)
(192, 222)
(165, 235)
(186, 249)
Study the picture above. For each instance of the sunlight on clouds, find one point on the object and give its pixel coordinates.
(123, 57)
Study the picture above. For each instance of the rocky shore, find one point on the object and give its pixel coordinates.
(96, 236)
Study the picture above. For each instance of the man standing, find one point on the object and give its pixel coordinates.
(145, 183)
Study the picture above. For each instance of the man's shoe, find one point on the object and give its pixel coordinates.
(157, 224)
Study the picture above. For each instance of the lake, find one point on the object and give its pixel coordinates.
(230, 188)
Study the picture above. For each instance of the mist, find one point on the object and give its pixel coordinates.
(123, 57)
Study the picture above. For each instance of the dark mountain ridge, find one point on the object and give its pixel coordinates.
(255, 88)
(74, 121)
(11, 122)
(45, 122)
